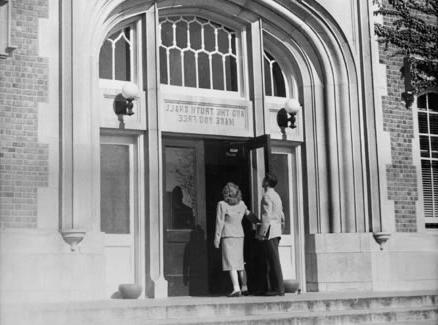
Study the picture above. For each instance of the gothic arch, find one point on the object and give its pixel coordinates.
(335, 191)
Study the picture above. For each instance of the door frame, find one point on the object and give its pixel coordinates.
(293, 149)
(137, 165)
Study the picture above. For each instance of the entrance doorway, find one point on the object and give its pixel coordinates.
(195, 172)
(225, 161)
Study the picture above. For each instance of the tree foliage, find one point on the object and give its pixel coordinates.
(413, 29)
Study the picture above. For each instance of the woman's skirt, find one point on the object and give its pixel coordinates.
(232, 253)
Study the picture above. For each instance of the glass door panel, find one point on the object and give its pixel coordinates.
(115, 189)
(281, 165)
(117, 210)
(180, 196)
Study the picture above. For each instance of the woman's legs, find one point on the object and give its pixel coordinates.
(234, 280)
(242, 275)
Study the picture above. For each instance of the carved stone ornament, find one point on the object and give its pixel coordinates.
(73, 237)
(381, 238)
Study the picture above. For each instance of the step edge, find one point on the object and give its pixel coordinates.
(282, 316)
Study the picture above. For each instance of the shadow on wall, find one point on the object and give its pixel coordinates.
(194, 263)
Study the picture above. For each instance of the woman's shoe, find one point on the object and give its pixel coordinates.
(235, 294)
(245, 293)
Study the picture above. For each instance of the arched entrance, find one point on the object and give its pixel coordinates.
(322, 158)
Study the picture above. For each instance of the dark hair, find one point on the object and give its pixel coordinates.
(232, 194)
(271, 180)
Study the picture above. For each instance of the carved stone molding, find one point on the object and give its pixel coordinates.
(73, 237)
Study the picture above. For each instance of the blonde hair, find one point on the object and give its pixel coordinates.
(232, 194)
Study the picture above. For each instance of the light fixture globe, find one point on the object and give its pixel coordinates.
(292, 106)
(130, 90)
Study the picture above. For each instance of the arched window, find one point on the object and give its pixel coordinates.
(427, 105)
(116, 56)
(199, 53)
(275, 84)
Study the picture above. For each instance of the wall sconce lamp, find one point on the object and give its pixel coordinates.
(286, 115)
(409, 94)
(123, 102)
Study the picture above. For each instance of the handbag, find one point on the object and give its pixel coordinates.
(253, 218)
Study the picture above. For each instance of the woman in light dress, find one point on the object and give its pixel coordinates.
(229, 233)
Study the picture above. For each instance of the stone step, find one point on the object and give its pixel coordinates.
(283, 310)
(287, 304)
(412, 322)
(421, 315)
(189, 307)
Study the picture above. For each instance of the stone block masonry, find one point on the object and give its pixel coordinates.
(23, 85)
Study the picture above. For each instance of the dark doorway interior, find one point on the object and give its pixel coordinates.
(225, 161)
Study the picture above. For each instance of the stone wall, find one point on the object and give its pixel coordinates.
(23, 85)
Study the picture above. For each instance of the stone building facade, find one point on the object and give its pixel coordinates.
(72, 172)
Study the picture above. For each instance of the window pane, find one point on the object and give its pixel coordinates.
(231, 73)
(435, 186)
(233, 43)
(421, 102)
(166, 33)
(433, 101)
(275, 85)
(175, 67)
(114, 189)
(280, 165)
(123, 58)
(180, 196)
(424, 146)
(279, 86)
(106, 61)
(422, 123)
(163, 66)
(181, 34)
(189, 69)
(434, 146)
(223, 41)
(204, 71)
(195, 35)
(433, 120)
(218, 72)
(209, 38)
(427, 188)
(268, 88)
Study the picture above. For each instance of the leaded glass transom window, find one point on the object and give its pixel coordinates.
(116, 56)
(275, 84)
(197, 52)
(427, 105)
